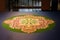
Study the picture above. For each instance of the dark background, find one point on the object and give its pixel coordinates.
(5, 5)
(53, 34)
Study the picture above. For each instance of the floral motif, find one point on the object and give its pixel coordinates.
(28, 23)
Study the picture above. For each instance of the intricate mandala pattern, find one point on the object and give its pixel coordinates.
(28, 23)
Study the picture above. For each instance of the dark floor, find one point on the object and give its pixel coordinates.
(48, 35)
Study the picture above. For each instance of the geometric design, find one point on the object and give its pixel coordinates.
(28, 23)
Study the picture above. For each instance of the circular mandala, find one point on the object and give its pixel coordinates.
(28, 23)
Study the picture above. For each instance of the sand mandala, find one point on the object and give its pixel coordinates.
(28, 23)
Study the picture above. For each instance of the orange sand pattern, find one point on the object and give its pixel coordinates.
(28, 23)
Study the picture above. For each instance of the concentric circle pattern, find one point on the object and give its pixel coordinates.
(28, 23)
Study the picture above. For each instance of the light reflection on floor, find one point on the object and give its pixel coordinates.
(29, 10)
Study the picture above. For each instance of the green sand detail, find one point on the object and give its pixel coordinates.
(24, 21)
(50, 27)
(33, 22)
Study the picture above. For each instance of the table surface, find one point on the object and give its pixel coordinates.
(47, 35)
